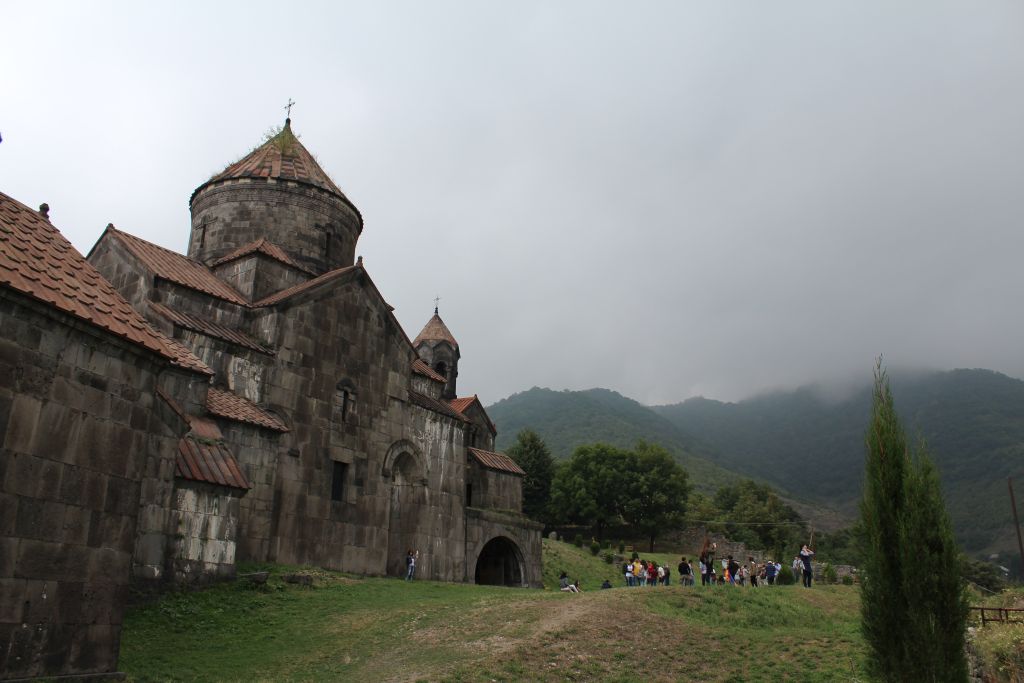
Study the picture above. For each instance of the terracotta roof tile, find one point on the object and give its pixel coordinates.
(496, 461)
(262, 246)
(36, 260)
(209, 328)
(435, 331)
(282, 157)
(463, 404)
(297, 289)
(179, 269)
(233, 407)
(433, 404)
(209, 461)
(420, 367)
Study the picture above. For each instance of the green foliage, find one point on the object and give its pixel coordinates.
(785, 577)
(595, 547)
(656, 491)
(810, 445)
(530, 453)
(578, 541)
(984, 574)
(608, 558)
(847, 580)
(840, 547)
(569, 419)
(828, 574)
(622, 547)
(913, 607)
(755, 515)
(602, 485)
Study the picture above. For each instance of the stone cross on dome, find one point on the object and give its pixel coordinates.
(288, 108)
(436, 299)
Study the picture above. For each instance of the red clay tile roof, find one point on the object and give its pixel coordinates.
(420, 367)
(435, 330)
(176, 268)
(292, 291)
(424, 401)
(496, 461)
(266, 248)
(209, 328)
(211, 462)
(36, 260)
(233, 407)
(462, 404)
(282, 157)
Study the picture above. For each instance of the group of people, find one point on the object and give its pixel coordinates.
(640, 572)
(737, 573)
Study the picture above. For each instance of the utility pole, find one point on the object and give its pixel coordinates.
(1016, 523)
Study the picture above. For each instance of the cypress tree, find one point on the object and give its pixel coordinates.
(913, 607)
(533, 455)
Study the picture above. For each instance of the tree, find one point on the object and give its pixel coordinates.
(531, 453)
(913, 605)
(590, 487)
(657, 491)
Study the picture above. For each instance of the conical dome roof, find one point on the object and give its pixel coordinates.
(281, 157)
(436, 331)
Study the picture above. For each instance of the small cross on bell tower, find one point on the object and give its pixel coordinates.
(288, 109)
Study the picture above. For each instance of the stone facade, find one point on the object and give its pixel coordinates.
(79, 435)
(371, 459)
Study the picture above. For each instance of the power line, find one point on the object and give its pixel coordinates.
(718, 521)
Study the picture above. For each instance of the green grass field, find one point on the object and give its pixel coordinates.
(347, 628)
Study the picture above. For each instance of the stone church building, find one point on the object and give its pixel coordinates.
(163, 416)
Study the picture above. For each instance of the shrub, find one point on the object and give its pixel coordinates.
(847, 580)
(828, 574)
(605, 545)
(595, 548)
(578, 541)
(622, 547)
(785, 577)
(635, 556)
(608, 558)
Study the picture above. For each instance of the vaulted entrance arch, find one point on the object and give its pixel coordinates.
(500, 563)
(404, 470)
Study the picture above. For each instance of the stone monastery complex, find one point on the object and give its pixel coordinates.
(164, 416)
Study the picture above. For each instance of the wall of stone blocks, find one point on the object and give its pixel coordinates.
(495, 490)
(205, 522)
(258, 276)
(298, 217)
(77, 425)
(482, 526)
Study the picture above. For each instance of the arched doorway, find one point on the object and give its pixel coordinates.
(408, 500)
(500, 564)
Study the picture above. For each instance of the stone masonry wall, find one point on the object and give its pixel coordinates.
(77, 423)
(205, 519)
(297, 217)
(495, 490)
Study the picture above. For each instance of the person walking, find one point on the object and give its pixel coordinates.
(685, 572)
(753, 571)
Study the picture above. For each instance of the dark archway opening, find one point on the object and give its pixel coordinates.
(499, 565)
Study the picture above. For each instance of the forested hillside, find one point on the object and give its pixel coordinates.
(808, 446)
(567, 419)
(972, 421)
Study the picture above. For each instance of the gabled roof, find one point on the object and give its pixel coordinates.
(36, 260)
(233, 407)
(262, 246)
(424, 401)
(463, 404)
(496, 461)
(435, 331)
(302, 287)
(209, 328)
(176, 268)
(282, 157)
(420, 367)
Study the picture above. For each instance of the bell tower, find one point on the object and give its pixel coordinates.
(438, 349)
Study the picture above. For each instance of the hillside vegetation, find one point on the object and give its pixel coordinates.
(810, 446)
(389, 630)
(567, 419)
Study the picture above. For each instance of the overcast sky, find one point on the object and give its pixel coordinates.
(664, 199)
